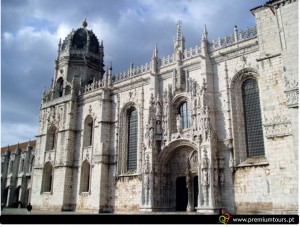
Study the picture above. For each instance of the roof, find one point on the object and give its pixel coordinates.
(22, 146)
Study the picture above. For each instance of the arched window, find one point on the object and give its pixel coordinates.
(59, 87)
(88, 131)
(85, 177)
(252, 118)
(22, 165)
(31, 165)
(51, 138)
(47, 178)
(132, 139)
(11, 166)
(184, 113)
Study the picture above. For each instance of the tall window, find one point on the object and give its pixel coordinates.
(11, 166)
(183, 111)
(132, 140)
(59, 87)
(47, 178)
(88, 131)
(31, 165)
(85, 176)
(51, 138)
(252, 118)
(22, 165)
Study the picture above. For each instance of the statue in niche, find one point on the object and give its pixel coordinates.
(203, 94)
(165, 96)
(178, 123)
(207, 128)
(151, 103)
(158, 110)
(158, 127)
(151, 135)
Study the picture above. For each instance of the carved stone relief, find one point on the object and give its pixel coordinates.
(277, 124)
(292, 93)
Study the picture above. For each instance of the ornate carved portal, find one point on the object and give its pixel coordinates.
(179, 180)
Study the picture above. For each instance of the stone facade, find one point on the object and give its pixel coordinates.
(17, 164)
(174, 134)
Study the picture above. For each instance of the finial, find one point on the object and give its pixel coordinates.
(18, 147)
(110, 68)
(59, 46)
(204, 36)
(84, 23)
(179, 35)
(155, 52)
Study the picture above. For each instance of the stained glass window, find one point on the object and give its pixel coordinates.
(252, 118)
(47, 177)
(85, 176)
(183, 111)
(132, 140)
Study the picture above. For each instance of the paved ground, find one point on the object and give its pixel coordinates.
(23, 211)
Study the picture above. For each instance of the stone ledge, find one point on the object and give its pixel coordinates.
(254, 161)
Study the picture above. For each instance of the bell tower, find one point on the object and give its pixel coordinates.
(79, 62)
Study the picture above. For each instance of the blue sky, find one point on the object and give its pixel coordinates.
(31, 29)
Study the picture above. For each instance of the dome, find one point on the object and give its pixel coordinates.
(81, 38)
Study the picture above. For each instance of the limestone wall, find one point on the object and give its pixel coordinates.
(127, 194)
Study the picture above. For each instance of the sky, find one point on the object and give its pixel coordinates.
(130, 29)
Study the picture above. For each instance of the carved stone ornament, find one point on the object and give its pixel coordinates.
(277, 125)
(292, 93)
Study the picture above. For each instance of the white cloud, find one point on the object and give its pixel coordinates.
(13, 133)
(31, 30)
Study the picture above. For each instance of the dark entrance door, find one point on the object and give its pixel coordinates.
(195, 191)
(181, 194)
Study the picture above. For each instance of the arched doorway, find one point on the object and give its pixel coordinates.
(178, 176)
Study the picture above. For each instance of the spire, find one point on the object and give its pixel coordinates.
(155, 52)
(179, 34)
(59, 45)
(58, 48)
(204, 35)
(204, 43)
(179, 43)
